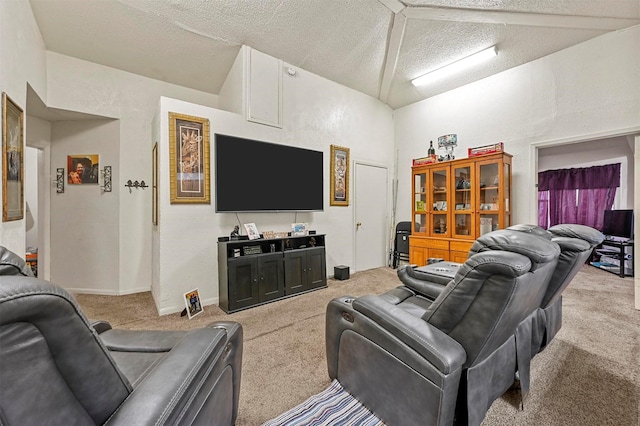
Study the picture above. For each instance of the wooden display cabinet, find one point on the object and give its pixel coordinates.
(455, 202)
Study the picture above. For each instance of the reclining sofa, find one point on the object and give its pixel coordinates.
(56, 369)
(415, 360)
(576, 243)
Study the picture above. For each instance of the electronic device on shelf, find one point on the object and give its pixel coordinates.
(618, 225)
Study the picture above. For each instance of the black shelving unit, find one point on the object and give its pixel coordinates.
(621, 251)
(254, 272)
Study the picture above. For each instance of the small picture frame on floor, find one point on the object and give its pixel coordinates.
(192, 301)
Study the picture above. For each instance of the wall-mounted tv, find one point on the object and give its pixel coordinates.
(251, 175)
(618, 223)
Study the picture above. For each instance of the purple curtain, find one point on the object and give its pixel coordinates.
(587, 199)
(577, 195)
(543, 209)
(607, 176)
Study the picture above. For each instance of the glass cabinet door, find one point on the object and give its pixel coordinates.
(419, 203)
(489, 176)
(507, 194)
(463, 201)
(439, 202)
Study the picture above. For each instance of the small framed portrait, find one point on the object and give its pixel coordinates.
(252, 231)
(299, 229)
(83, 169)
(192, 301)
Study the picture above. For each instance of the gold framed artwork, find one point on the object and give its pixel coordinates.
(12, 160)
(154, 184)
(339, 176)
(189, 159)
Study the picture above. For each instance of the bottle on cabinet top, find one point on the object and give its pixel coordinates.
(431, 150)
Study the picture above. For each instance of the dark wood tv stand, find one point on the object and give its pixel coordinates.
(255, 272)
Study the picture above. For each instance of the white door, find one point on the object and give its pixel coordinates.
(371, 216)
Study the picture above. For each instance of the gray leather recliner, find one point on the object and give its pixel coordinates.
(416, 361)
(576, 243)
(55, 369)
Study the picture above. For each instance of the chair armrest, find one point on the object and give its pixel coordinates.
(438, 348)
(426, 280)
(99, 326)
(183, 376)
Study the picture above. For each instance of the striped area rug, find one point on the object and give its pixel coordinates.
(332, 407)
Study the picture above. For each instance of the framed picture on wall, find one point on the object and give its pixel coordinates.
(154, 184)
(189, 159)
(339, 176)
(12, 160)
(83, 169)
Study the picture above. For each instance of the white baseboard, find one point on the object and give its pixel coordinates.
(179, 308)
(103, 292)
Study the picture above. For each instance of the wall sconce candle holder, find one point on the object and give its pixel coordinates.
(106, 179)
(60, 180)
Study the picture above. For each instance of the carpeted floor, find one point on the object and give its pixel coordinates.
(589, 375)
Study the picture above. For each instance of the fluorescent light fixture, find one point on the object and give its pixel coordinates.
(456, 66)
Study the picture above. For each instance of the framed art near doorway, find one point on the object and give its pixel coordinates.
(154, 184)
(339, 176)
(12, 160)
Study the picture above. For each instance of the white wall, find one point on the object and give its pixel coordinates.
(38, 135)
(84, 220)
(22, 60)
(588, 89)
(316, 114)
(94, 89)
(31, 196)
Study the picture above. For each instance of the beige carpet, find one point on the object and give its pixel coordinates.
(589, 375)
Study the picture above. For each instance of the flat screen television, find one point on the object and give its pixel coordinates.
(618, 223)
(251, 176)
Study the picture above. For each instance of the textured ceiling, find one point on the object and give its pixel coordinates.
(373, 46)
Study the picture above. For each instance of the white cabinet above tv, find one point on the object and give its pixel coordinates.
(253, 88)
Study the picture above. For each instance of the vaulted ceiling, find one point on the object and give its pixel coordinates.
(373, 46)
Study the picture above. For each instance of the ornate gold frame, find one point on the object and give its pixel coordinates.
(12, 160)
(154, 184)
(339, 176)
(190, 180)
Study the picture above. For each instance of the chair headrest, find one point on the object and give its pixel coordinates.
(532, 229)
(539, 249)
(573, 230)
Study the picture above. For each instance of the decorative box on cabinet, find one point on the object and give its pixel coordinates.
(455, 202)
(253, 272)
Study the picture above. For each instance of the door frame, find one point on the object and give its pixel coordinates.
(385, 167)
(533, 179)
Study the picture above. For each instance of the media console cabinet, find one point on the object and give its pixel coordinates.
(254, 272)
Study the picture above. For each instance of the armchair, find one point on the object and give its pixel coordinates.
(412, 360)
(56, 369)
